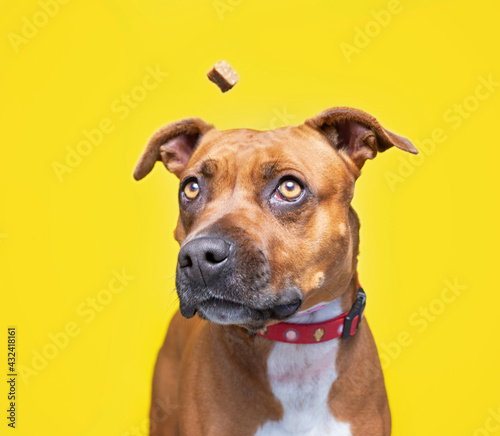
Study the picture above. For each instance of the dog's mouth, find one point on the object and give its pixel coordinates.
(227, 280)
(224, 311)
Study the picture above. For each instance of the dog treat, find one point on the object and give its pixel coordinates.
(223, 76)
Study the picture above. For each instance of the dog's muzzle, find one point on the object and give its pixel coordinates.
(230, 284)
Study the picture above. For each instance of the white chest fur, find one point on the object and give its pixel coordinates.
(300, 377)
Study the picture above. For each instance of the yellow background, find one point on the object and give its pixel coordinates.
(61, 240)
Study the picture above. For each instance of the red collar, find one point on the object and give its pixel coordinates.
(344, 326)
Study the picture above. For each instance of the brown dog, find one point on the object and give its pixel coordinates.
(269, 245)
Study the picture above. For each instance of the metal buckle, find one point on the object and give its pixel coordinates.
(357, 309)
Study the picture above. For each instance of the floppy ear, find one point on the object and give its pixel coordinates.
(356, 134)
(172, 144)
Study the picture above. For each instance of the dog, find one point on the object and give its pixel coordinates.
(268, 263)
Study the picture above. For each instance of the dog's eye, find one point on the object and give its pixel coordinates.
(289, 190)
(191, 190)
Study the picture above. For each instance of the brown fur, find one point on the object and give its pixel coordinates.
(214, 377)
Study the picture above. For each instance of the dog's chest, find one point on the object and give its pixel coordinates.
(301, 377)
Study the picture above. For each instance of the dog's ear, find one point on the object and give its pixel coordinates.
(356, 134)
(173, 145)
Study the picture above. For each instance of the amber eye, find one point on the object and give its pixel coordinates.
(191, 190)
(290, 189)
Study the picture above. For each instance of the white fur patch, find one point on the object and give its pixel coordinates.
(301, 377)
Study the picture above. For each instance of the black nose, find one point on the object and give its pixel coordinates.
(204, 258)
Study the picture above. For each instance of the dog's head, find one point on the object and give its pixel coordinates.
(264, 215)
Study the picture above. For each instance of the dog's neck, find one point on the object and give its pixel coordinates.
(327, 310)
(318, 313)
(242, 342)
(301, 375)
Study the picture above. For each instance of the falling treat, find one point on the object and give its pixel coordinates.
(223, 76)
